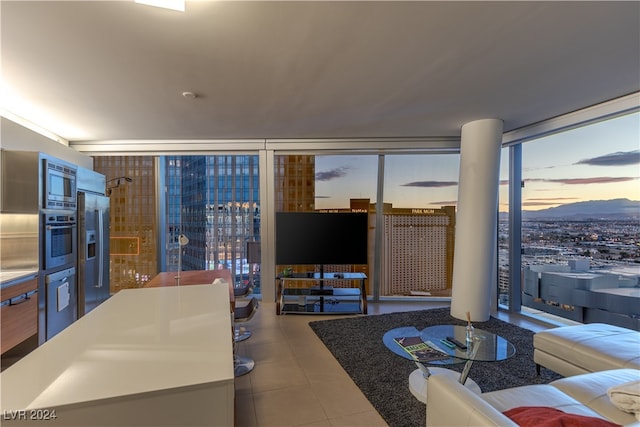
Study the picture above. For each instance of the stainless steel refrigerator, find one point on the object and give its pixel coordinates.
(93, 241)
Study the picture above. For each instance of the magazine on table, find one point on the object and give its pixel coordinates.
(421, 351)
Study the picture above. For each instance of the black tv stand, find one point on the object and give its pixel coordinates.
(320, 298)
(321, 290)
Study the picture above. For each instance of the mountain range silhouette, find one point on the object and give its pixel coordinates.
(614, 209)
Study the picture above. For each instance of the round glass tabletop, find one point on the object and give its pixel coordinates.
(486, 346)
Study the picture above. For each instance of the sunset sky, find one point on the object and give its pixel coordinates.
(597, 162)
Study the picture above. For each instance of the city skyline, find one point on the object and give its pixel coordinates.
(596, 162)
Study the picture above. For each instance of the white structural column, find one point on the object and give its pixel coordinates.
(476, 219)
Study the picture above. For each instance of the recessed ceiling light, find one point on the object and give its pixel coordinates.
(189, 95)
(165, 4)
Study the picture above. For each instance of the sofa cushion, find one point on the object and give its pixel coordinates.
(563, 367)
(538, 395)
(593, 346)
(591, 390)
(542, 416)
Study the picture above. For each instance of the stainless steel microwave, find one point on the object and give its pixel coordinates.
(59, 185)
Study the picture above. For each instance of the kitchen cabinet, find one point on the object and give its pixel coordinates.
(18, 311)
(20, 174)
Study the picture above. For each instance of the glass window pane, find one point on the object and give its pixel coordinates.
(215, 203)
(305, 183)
(580, 222)
(503, 229)
(212, 200)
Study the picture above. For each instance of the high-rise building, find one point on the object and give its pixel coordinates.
(295, 183)
(418, 251)
(133, 219)
(214, 202)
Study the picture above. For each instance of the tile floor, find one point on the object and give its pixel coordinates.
(297, 382)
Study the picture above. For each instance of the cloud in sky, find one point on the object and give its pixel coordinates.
(592, 180)
(332, 174)
(431, 184)
(620, 158)
(541, 168)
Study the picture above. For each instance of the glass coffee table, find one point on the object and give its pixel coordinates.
(486, 347)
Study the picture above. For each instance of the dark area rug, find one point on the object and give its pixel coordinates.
(356, 342)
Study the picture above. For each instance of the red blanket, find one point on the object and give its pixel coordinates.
(542, 416)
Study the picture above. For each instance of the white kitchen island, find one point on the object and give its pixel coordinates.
(151, 356)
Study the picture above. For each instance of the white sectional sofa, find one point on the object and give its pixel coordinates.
(451, 404)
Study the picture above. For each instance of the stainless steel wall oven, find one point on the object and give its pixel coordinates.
(60, 238)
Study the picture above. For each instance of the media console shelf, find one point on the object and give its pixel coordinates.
(320, 297)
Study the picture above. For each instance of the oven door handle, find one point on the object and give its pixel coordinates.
(59, 227)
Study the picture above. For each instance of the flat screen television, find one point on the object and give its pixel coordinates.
(315, 238)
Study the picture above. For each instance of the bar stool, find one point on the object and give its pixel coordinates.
(239, 292)
(242, 364)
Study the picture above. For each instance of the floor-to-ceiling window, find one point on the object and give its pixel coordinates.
(503, 229)
(213, 201)
(320, 183)
(581, 222)
(418, 209)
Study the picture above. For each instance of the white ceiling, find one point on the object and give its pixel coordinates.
(115, 70)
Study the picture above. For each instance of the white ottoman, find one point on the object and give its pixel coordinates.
(580, 349)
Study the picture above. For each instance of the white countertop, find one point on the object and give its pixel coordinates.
(139, 340)
(9, 275)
